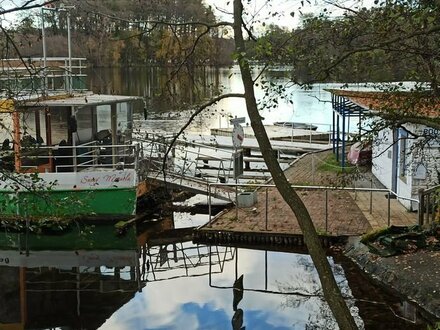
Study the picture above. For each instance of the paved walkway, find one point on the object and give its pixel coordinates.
(335, 212)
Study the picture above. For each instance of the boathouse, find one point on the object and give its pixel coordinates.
(405, 156)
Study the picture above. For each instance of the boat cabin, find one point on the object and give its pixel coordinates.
(67, 133)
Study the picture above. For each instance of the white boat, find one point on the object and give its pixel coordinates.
(296, 125)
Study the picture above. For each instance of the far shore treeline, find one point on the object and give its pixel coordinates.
(126, 33)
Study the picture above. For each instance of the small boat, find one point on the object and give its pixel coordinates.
(67, 153)
(296, 125)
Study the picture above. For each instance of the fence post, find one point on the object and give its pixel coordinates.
(267, 209)
(421, 206)
(236, 199)
(389, 208)
(326, 211)
(209, 203)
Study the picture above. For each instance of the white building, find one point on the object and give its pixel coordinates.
(405, 158)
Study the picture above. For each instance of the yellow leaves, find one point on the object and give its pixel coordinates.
(176, 45)
(6, 105)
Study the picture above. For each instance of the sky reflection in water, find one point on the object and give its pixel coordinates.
(191, 303)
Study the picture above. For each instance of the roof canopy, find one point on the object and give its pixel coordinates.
(415, 103)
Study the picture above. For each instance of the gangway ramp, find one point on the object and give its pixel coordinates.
(198, 186)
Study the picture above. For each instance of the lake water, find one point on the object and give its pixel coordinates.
(175, 284)
(308, 106)
(154, 281)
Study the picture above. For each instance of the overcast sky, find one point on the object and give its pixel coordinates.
(288, 12)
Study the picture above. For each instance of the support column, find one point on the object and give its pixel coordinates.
(343, 139)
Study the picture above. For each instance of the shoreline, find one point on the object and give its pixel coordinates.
(413, 276)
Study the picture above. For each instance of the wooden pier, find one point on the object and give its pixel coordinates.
(251, 144)
(336, 213)
(279, 133)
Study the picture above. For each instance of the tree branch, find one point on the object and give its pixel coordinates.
(26, 6)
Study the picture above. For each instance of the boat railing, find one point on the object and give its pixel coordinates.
(315, 132)
(36, 74)
(91, 155)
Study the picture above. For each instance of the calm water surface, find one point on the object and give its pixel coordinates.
(166, 283)
(308, 106)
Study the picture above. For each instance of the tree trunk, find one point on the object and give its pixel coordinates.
(332, 293)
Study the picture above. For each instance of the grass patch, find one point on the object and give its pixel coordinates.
(330, 164)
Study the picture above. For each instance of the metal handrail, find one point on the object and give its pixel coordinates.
(302, 187)
(14, 74)
(428, 206)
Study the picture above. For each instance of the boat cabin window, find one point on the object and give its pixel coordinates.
(103, 117)
(84, 121)
(59, 124)
(33, 127)
(6, 127)
(123, 121)
(122, 116)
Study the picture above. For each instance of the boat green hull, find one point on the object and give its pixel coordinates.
(111, 202)
(78, 236)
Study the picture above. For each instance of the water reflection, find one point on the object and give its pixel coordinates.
(167, 282)
(298, 105)
(72, 289)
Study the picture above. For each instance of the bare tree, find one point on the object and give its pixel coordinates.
(331, 290)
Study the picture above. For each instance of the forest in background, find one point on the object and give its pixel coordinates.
(112, 33)
(381, 43)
